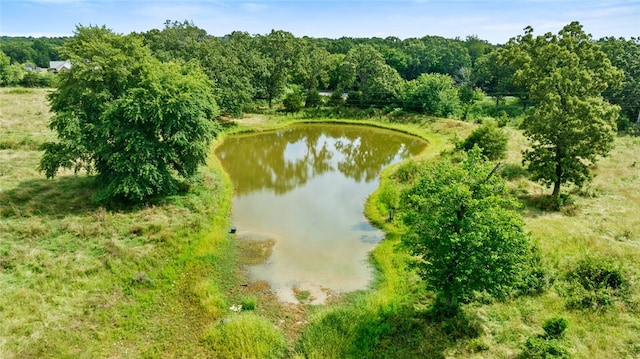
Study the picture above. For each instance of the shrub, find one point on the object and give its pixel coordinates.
(548, 345)
(594, 284)
(554, 327)
(292, 102)
(595, 273)
(336, 99)
(540, 348)
(535, 279)
(460, 325)
(354, 98)
(491, 140)
(434, 94)
(407, 172)
(313, 99)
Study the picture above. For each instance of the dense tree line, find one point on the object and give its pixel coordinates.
(563, 79)
(376, 71)
(30, 50)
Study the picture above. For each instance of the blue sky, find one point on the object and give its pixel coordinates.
(495, 21)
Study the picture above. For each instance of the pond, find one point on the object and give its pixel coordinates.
(303, 189)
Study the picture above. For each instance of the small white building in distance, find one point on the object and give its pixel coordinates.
(59, 65)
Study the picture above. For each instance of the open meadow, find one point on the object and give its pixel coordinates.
(163, 280)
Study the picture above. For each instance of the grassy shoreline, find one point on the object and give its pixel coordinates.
(80, 280)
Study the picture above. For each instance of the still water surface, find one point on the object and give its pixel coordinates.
(305, 187)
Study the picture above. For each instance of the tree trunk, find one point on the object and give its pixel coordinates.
(558, 182)
(556, 189)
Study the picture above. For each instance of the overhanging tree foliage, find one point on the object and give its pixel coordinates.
(463, 233)
(572, 124)
(142, 125)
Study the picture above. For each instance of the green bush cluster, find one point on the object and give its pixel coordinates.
(594, 283)
(491, 140)
(549, 344)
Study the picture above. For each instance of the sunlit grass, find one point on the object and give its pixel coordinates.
(81, 280)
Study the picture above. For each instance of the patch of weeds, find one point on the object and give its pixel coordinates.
(302, 295)
(245, 336)
(540, 348)
(407, 172)
(19, 91)
(550, 344)
(477, 345)
(142, 279)
(249, 303)
(536, 278)
(210, 298)
(462, 325)
(594, 283)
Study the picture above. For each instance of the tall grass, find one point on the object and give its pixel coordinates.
(80, 280)
(245, 336)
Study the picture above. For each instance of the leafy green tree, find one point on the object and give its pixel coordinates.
(230, 64)
(10, 74)
(5, 70)
(572, 124)
(280, 53)
(365, 70)
(44, 51)
(228, 61)
(491, 140)
(463, 233)
(434, 94)
(494, 76)
(434, 54)
(625, 55)
(140, 124)
(313, 67)
(477, 48)
(468, 97)
(18, 49)
(394, 57)
(178, 40)
(293, 101)
(313, 99)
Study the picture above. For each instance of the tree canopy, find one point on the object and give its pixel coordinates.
(571, 125)
(140, 124)
(463, 232)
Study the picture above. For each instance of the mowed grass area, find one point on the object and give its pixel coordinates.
(158, 281)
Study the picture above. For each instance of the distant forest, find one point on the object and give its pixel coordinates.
(246, 69)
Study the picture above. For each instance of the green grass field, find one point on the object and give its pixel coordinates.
(81, 281)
